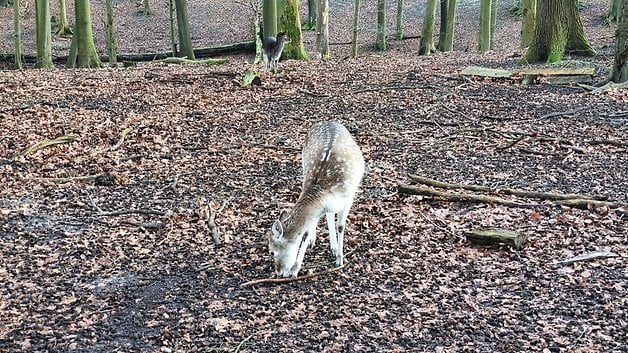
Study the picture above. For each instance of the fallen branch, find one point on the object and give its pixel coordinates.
(138, 211)
(62, 180)
(621, 207)
(175, 60)
(117, 145)
(507, 191)
(46, 143)
(288, 280)
(460, 197)
(603, 254)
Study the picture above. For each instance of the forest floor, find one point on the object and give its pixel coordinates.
(104, 239)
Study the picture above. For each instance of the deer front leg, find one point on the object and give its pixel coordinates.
(333, 236)
(311, 237)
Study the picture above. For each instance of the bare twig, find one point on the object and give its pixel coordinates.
(237, 349)
(293, 279)
(603, 254)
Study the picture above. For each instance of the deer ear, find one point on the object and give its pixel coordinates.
(277, 230)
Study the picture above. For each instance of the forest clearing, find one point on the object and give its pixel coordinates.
(135, 203)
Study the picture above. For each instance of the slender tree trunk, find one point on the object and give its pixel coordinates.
(312, 14)
(426, 45)
(380, 44)
(86, 55)
(448, 41)
(356, 29)
(43, 37)
(290, 23)
(619, 73)
(614, 11)
(528, 22)
(64, 27)
(484, 37)
(558, 30)
(322, 29)
(183, 25)
(399, 19)
(111, 35)
(17, 34)
(493, 22)
(269, 14)
(147, 11)
(173, 39)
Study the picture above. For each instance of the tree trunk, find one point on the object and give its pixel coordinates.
(484, 37)
(322, 29)
(312, 14)
(399, 19)
(17, 33)
(620, 69)
(86, 55)
(448, 42)
(43, 37)
(558, 30)
(443, 23)
(64, 27)
(528, 20)
(356, 30)
(380, 44)
(493, 22)
(614, 11)
(183, 25)
(269, 21)
(147, 11)
(426, 45)
(173, 40)
(111, 35)
(289, 22)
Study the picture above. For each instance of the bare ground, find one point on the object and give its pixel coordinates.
(76, 279)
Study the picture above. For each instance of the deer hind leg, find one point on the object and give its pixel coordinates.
(333, 234)
(340, 228)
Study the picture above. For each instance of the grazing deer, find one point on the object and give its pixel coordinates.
(273, 47)
(333, 167)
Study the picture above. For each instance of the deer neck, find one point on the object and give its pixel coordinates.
(306, 212)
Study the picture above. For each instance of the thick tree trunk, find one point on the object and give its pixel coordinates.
(426, 45)
(399, 20)
(111, 35)
(322, 29)
(448, 41)
(269, 18)
(290, 23)
(43, 37)
(484, 37)
(356, 29)
(64, 26)
(17, 34)
(380, 44)
(558, 30)
(620, 69)
(86, 55)
(183, 25)
(614, 11)
(528, 20)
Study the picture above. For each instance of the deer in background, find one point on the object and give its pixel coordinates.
(333, 167)
(272, 49)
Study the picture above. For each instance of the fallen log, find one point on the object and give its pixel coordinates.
(460, 197)
(496, 236)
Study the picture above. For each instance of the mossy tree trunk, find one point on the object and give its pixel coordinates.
(614, 11)
(64, 26)
(484, 36)
(399, 26)
(493, 22)
(380, 43)
(43, 36)
(322, 29)
(111, 35)
(450, 25)
(558, 30)
(528, 20)
(269, 18)
(83, 38)
(183, 26)
(312, 14)
(444, 4)
(4, 3)
(147, 11)
(289, 22)
(619, 73)
(356, 29)
(17, 35)
(426, 45)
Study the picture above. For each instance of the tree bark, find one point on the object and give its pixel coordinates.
(484, 37)
(426, 45)
(322, 29)
(528, 20)
(356, 29)
(493, 22)
(83, 38)
(619, 73)
(399, 20)
(380, 44)
(443, 23)
(173, 40)
(312, 14)
(558, 30)
(613, 13)
(64, 27)
(111, 34)
(147, 11)
(17, 35)
(269, 18)
(43, 37)
(448, 42)
(289, 22)
(183, 25)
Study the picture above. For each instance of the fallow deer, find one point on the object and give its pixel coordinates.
(272, 49)
(333, 167)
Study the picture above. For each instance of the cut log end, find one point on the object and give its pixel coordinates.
(497, 236)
